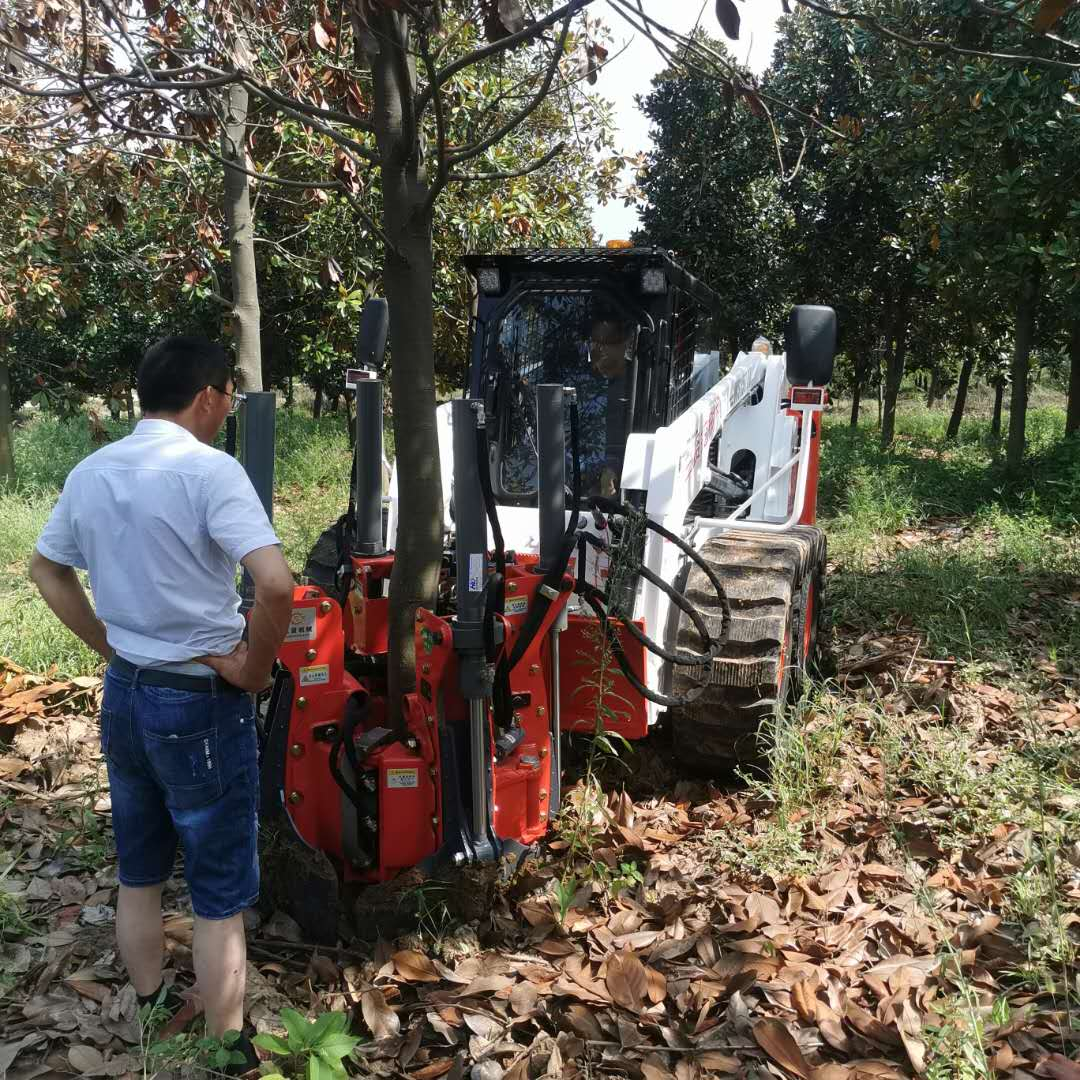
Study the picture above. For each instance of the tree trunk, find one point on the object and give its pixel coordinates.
(953, 430)
(316, 405)
(934, 389)
(894, 374)
(1072, 417)
(1026, 304)
(995, 422)
(7, 449)
(963, 382)
(334, 399)
(407, 276)
(129, 402)
(856, 398)
(245, 285)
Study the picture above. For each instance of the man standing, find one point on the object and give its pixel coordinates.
(160, 519)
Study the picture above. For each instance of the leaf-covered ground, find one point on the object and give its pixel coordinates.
(900, 895)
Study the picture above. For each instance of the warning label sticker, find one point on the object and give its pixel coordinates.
(476, 572)
(516, 605)
(301, 625)
(402, 778)
(315, 675)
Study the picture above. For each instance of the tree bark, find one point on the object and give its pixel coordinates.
(933, 391)
(1072, 417)
(7, 449)
(953, 430)
(962, 383)
(407, 275)
(999, 398)
(129, 402)
(856, 398)
(1026, 304)
(894, 374)
(317, 404)
(245, 286)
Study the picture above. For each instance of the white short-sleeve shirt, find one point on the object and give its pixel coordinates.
(160, 520)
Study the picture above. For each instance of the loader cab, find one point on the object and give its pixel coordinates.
(620, 326)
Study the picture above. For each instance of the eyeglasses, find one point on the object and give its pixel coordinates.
(235, 398)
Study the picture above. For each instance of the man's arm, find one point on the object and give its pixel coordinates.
(248, 666)
(61, 589)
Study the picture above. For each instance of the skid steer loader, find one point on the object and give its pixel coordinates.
(628, 536)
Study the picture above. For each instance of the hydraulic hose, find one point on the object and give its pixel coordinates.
(593, 597)
(687, 659)
(598, 600)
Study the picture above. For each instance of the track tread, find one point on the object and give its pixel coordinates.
(763, 576)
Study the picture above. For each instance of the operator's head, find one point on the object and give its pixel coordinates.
(611, 337)
(187, 379)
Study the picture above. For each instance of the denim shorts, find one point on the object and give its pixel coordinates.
(183, 770)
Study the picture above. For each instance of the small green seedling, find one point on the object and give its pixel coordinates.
(318, 1046)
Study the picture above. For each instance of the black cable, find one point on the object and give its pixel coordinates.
(680, 601)
(591, 595)
(597, 600)
(611, 506)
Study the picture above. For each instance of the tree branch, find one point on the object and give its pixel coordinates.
(929, 45)
(302, 107)
(506, 44)
(523, 113)
(368, 219)
(510, 174)
(283, 104)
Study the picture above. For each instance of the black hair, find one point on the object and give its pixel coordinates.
(174, 369)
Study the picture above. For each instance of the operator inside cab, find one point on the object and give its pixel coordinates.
(612, 339)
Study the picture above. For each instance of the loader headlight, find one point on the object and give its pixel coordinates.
(653, 281)
(488, 279)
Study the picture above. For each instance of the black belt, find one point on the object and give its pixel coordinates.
(174, 680)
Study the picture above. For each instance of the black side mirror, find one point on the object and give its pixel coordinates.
(371, 338)
(810, 343)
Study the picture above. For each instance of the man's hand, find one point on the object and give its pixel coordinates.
(249, 665)
(233, 668)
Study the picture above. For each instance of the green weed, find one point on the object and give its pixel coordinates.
(806, 748)
(15, 921)
(957, 1044)
(319, 1047)
(189, 1049)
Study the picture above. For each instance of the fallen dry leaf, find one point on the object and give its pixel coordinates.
(382, 1021)
(415, 966)
(626, 980)
(775, 1039)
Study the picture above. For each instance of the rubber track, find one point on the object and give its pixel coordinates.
(762, 574)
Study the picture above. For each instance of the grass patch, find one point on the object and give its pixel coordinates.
(807, 750)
